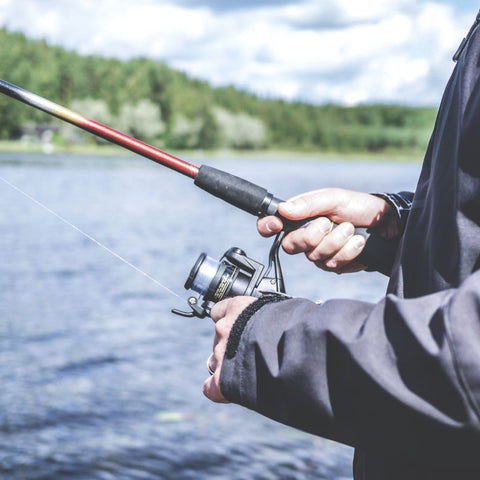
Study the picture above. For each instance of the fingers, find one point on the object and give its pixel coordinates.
(219, 310)
(224, 314)
(214, 361)
(269, 226)
(332, 243)
(338, 204)
(341, 260)
(311, 204)
(211, 389)
(229, 309)
(330, 250)
(211, 386)
(306, 239)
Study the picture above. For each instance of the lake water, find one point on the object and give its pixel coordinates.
(98, 380)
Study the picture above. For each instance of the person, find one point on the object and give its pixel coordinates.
(398, 380)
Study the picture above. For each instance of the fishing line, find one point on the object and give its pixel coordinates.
(89, 237)
(254, 199)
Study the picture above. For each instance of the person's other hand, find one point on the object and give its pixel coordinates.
(224, 314)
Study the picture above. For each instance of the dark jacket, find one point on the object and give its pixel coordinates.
(398, 380)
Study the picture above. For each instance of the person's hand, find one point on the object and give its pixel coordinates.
(224, 314)
(332, 250)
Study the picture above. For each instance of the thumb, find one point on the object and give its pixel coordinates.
(311, 204)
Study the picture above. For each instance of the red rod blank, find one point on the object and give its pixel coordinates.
(141, 148)
(98, 129)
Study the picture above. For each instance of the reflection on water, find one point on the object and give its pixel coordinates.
(99, 380)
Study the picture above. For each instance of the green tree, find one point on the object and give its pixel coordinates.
(142, 120)
(149, 99)
(240, 130)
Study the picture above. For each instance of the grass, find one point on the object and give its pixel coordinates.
(17, 146)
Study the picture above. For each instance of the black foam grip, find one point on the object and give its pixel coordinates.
(234, 190)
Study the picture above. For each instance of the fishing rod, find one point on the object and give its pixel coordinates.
(234, 190)
(254, 199)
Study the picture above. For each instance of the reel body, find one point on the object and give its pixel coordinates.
(234, 274)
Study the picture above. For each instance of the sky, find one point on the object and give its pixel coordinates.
(340, 51)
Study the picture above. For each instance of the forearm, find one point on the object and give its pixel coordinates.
(361, 373)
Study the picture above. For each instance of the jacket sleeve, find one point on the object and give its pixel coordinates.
(381, 249)
(400, 376)
(401, 203)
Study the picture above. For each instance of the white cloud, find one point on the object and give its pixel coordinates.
(346, 51)
(341, 12)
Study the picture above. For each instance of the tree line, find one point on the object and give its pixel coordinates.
(155, 103)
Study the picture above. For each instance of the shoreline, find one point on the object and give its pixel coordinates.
(13, 146)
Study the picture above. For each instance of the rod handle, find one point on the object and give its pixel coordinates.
(235, 190)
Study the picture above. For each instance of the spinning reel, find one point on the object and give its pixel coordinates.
(234, 274)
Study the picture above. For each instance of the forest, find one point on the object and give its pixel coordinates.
(153, 102)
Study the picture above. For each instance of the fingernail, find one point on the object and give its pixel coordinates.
(358, 242)
(331, 264)
(272, 227)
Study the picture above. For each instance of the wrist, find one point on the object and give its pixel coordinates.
(243, 319)
(394, 216)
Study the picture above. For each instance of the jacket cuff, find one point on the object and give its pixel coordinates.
(244, 317)
(235, 368)
(401, 203)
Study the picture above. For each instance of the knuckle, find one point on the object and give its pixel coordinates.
(218, 352)
(315, 256)
(332, 264)
(236, 304)
(343, 232)
(355, 245)
(219, 310)
(220, 329)
(303, 203)
(235, 301)
(310, 237)
(289, 245)
(321, 265)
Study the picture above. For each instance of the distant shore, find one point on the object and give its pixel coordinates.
(18, 146)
